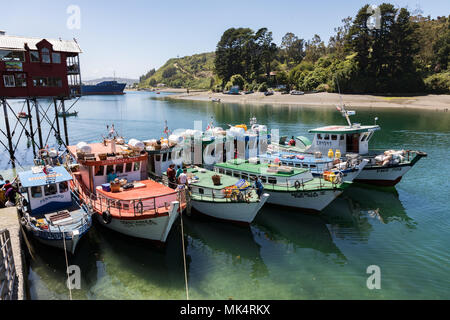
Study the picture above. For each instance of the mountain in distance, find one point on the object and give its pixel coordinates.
(128, 81)
(195, 72)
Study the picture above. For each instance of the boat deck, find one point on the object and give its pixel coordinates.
(204, 179)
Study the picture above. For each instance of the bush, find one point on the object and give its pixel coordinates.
(262, 87)
(217, 88)
(323, 87)
(438, 83)
(228, 86)
(237, 80)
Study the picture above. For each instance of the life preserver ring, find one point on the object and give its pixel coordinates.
(139, 207)
(297, 184)
(107, 217)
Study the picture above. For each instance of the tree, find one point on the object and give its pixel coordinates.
(337, 43)
(267, 48)
(315, 48)
(292, 48)
(237, 80)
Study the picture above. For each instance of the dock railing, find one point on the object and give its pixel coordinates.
(7, 267)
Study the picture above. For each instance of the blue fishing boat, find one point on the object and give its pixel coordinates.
(346, 170)
(105, 87)
(49, 211)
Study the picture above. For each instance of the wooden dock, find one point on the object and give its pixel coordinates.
(12, 259)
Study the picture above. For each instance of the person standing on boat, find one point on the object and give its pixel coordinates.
(183, 179)
(111, 175)
(292, 142)
(179, 171)
(171, 176)
(259, 187)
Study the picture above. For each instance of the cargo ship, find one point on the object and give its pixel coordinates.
(105, 87)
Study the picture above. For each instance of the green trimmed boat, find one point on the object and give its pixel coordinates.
(287, 186)
(223, 197)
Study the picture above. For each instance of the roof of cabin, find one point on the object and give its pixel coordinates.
(286, 156)
(145, 189)
(253, 168)
(205, 179)
(345, 129)
(18, 43)
(39, 178)
(100, 148)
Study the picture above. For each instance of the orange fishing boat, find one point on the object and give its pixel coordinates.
(129, 203)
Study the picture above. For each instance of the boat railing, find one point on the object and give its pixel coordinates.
(8, 277)
(126, 208)
(221, 195)
(305, 184)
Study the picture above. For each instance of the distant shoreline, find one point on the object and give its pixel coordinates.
(430, 102)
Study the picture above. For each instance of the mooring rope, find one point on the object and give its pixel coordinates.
(182, 242)
(67, 265)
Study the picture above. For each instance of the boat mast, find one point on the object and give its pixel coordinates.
(341, 108)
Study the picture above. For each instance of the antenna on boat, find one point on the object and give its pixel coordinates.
(166, 129)
(341, 108)
(376, 118)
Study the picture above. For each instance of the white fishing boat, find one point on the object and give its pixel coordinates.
(384, 167)
(287, 186)
(49, 211)
(223, 197)
(130, 204)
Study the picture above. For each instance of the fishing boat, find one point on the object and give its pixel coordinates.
(49, 211)
(68, 114)
(347, 169)
(223, 197)
(384, 168)
(23, 115)
(287, 186)
(215, 99)
(130, 204)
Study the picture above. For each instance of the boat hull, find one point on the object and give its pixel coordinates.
(239, 212)
(154, 228)
(311, 201)
(382, 176)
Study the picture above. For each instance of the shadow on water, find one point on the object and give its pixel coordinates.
(297, 229)
(237, 242)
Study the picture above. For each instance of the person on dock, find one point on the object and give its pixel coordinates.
(292, 142)
(259, 187)
(171, 175)
(10, 196)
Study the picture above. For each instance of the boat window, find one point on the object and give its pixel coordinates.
(342, 137)
(36, 192)
(272, 180)
(298, 165)
(312, 166)
(244, 176)
(228, 172)
(236, 174)
(221, 171)
(369, 135)
(63, 187)
(169, 157)
(119, 168)
(158, 157)
(109, 169)
(305, 165)
(129, 167)
(164, 157)
(252, 177)
(327, 137)
(334, 137)
(137, 166)
(50, 189)
(263, 179)
(319, 136)
(99, 171)
(201, 191)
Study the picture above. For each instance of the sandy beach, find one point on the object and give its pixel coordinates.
(430, 102)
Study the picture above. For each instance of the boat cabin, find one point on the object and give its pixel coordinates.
(268, 174)
(346, 139)
(46, 192)
(99, 159)
(306, 161)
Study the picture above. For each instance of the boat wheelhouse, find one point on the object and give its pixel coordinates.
(223, 197)
(287, 186)
(130, 204)
(348, 169)
(49, 211)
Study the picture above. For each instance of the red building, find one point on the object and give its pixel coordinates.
(33, 68)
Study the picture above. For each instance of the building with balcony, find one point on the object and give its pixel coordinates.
(34, 68)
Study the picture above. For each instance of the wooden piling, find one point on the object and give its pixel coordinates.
(66, 134)
(31, 127)
(38, 122)
(8, 135)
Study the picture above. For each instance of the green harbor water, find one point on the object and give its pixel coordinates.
(284, 254)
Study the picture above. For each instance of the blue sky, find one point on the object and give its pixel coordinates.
(131, 37)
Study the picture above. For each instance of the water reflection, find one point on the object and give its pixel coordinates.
(236, 242)
(297, 229)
